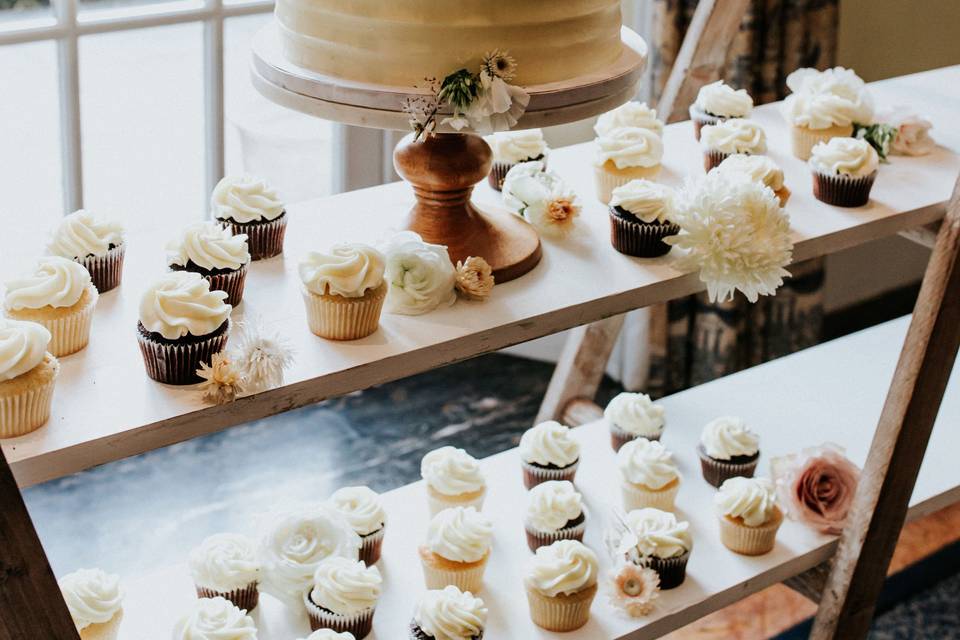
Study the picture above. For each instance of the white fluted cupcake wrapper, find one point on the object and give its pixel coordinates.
(749, 541)
(607, 181)
(359, 624)
(467, 579)
(106, 271)
(71, 333)
(438, 502)
(561, 613)
(339, 318)
(636, 497)
(26, 411)
(804, 139)
(109, 630)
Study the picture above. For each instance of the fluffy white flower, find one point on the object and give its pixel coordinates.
(421, 275)
(541, 197)
(497, 107)
(913, 131)
(736, 235)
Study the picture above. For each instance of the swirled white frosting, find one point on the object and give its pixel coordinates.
(564, 567)
(727, 437)
(734, 136)
(181, 303)
(461, 534)
(512, 147)
(452, 471)
(721, 100)
(844, 156)
(346, 586)
(756, 168)
(630, 147)
(84, 233)
(209, 246)
(55, 282)
(647, 200)
(636, 414)
(659, 533)
(92, 595)
(361, 507)
(329, 634)
(296, 543)
(420, 274)
(552, 504)
(215, 619)
(822, 99)
(245, 199)
(631, 114)
(450, 614)
(549, 443)
(23, 345)
(348, 270)
(648, 463)
(224, 562)
(753, 500)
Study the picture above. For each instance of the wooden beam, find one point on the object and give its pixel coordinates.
(898, 447)
(31, 607)
(580, 411)
(925, 235)
(810, 583)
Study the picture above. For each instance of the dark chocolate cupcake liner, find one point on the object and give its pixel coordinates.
(231, 283)
(843, 190)
(716, 471)
(177, 363)
(359, 624)
(371, 546)
(619, 437)
(106, 271)
(499, 171)
(701, 119)
(712, 158)
(640, 239)
(537, 539)
(245, 598)
(534, 475)
(264, 237)
(672, 571)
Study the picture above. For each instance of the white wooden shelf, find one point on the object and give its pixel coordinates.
(105, 407)
(806, 400)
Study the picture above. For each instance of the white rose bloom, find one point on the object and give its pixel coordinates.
(541, 197)
(421, 275)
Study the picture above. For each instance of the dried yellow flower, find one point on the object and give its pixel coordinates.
(474, 278)
(222, 383)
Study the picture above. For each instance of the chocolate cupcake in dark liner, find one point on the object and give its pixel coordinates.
(843, 190)
(712, 158)
(416, 633)
(360, 624)
(631, 236)
(249, 205)
(94, 241)
(572, 530)
(534, 474)
(177, 361)
(264, 237)
(672, 571)
(444, 603)
(499, 170)
(106, 271)
(230, 281)
(716, 471)
(246, 598)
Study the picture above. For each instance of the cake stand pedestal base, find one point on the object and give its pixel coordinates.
(443, 169)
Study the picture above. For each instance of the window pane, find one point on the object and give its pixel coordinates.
(290, 149)
(19, 14)
(30, 178)
(103, 8)
(143, 139)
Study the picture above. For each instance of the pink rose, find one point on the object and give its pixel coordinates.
(913, 131)
(817, 486)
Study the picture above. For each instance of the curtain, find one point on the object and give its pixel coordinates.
(692, 340)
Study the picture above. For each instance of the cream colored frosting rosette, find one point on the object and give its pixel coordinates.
(748, 514)
(95, 601)
(728, 448)
(294, 545)
(625, 154)
(511, 148)
(94, 241)
(362, 508)
(759, 169)
(344, 596)
(60, 295)
(216, 253)
(648, 475)
(215, 619)
(555, 511)
(453, 478)
(343, 291)
(633, 415)
(456, 549)
(450, 614)
(226, 565)
(630, 114)
(661, 541)
(561, 583)
(249, 205)
(720, 100)
(28, 373)
(738, 135)
(420, 275)
(548, 451)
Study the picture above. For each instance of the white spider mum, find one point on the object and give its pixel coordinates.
(542, 198)
(736, 234)
(260, 357)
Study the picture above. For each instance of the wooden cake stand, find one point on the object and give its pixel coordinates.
(444, 168)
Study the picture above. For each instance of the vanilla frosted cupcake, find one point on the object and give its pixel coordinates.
(453, 479)
(717, 102)
(511, 148)
(344, 291)
(548, 452)
(28, 373)
(663, 543)
(722, 140)
(95, 601)
(250, 206)
(749, 515)
(844, 170)
(457, 549)
(554, 512)
(226, 565)
(448, 614)
(329, 634)
(631, 416)
(96, 243)
(630, 114)
(216, 254)
(59, 295)
(182, 325)
(648, 475)
(824, 105)
(294, 546)
(344, 596)
(561, 584)
(757, 169)
(626, 154)
(215, 619)
(641, 216)
(727, 449)
(362, 509)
